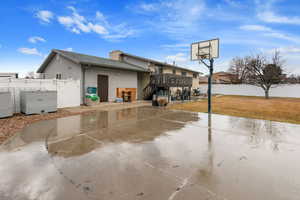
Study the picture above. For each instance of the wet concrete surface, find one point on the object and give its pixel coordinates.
(151, 153)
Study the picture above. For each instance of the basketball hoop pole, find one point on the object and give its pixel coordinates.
(211, 70)
(206, 50)
(209, 82)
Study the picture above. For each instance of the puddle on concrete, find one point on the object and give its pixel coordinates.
(151, 153)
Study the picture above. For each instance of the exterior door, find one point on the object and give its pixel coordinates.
(103, 88)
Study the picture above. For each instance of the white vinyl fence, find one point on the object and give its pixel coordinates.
(68, 91)
(285, 90)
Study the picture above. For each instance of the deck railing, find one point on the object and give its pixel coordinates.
(170, 80)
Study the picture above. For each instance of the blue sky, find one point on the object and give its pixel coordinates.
(160, 29)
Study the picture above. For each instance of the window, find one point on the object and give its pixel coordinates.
(183, 73)
(58, 76)
(195, 75)
(174, 71)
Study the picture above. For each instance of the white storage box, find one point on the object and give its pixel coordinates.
(6, 105)
(37, 102)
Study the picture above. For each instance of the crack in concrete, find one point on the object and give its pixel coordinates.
(178, 189)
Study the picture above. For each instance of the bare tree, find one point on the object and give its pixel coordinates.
(264, 74)
(238, 69)
(277, 59)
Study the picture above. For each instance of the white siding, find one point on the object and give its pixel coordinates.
(116, 79)
(71, 70)
(63, 66)
(67, 68)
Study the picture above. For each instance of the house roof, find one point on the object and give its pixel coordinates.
(90, 60)
(157, 62)
(223, 73)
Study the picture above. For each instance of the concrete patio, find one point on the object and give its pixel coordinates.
(151, 153)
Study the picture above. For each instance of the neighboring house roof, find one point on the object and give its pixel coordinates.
(222, 77)
(203, 79)
(157, 62)
(89, 60)
(223, 73)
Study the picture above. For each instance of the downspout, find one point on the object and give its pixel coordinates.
(83, 84)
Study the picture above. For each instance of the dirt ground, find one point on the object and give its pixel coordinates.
(276, 109)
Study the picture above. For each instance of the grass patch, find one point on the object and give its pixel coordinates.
(275, 109)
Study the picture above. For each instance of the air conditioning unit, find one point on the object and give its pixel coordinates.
(38, 102)
(6, 104)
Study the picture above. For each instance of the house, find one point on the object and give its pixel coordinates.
(122, 72)
(9, 75)
(155, 67)
(203, 80)
(218, 78)
(222, 77)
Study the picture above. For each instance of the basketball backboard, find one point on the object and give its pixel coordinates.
(207, 49)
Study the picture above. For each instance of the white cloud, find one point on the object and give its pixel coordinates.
(176, 18)
(97, 28)
(176, 47)
(268, 32)
(233, 3)
(45, 16)
(266, 13)
(148, 7)
(77, 23)
(69, 49)
(35, 39)
(283, 36)
(255, 28)
(29, 51)
(271, 17)
(179, 57)
(290, 49)
(101, 18)
(285, 50)
(290, 55)
(120, 31)
(67, 21)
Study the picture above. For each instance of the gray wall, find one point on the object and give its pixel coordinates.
(71, 70)
(67, 68)
(61, 65)
(116, 79)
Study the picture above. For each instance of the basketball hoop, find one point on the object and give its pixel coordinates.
(201, 57)
(206, 50)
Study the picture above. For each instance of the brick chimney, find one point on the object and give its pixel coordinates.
(116, 55)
